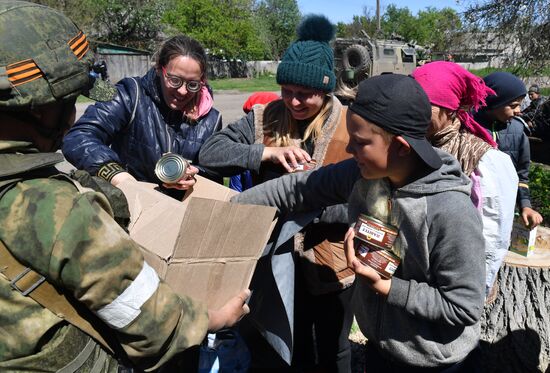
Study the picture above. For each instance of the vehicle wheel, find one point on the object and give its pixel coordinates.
(356, 57)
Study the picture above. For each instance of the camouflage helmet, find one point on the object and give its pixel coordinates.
(44, 57)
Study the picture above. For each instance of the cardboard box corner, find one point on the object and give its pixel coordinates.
(204, 246)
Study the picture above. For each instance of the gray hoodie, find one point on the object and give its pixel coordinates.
(431, 315)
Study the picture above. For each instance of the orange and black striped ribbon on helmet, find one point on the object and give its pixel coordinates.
(79, 45)
(23, 72)
(26, 71)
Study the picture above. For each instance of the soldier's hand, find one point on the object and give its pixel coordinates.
(230, 313)
(122, 177)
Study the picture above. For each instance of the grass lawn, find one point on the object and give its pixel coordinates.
(262, 83)
(514, 70)
(522, 72)
(268, 83)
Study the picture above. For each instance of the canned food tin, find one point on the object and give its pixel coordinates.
(375, 232)
(381, 260)
(306, 166)
(171, 167)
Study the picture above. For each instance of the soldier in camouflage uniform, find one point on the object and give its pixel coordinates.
(66, 235)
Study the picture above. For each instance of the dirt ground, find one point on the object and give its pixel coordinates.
(358, 343)
(229, 103)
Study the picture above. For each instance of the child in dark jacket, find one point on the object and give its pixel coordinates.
(500, 119)
(425, 317)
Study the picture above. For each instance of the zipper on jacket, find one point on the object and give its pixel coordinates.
(168, 138)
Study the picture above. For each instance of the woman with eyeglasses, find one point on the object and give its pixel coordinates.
(168, 110)
(304, 129)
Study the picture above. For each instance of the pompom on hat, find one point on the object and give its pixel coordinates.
(309, 61)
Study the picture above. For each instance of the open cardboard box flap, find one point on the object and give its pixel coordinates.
(204, 247)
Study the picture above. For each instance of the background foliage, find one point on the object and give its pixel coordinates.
(277, 20)
(225, 27)
(263, 29)
(527, 21)
(539, 186)
(431, 27)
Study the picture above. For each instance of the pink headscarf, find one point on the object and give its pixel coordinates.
(449, 85)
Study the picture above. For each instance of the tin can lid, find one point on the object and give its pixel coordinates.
(171, 167)
(368, 218)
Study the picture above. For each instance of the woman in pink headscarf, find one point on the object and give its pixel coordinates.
(453, 92)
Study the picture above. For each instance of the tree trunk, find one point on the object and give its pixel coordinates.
(515, 330)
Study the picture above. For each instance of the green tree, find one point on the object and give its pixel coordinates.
(431, 26)
(341, 30)
(398, 21)
(133, 23)
(277, 21)
(224, 27)
(82, 12)
(436, 27)
(359, 25)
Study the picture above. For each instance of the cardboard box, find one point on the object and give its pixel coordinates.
(522, 241)
(204, 247)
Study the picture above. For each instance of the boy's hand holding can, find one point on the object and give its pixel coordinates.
(376, 282)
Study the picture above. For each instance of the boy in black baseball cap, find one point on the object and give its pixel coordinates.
(396, 106)
(425, 317)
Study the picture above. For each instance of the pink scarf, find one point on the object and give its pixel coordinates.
(203, 105)
(450, 86)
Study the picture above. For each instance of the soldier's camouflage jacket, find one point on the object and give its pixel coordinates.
(70, 238)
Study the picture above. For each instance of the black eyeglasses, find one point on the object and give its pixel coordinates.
(176, 82)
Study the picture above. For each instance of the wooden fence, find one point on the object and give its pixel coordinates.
(126, 65)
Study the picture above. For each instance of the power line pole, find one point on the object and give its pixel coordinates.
(378, 16)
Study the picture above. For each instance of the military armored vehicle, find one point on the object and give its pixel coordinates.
(359, 58)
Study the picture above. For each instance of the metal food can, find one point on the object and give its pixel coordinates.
(381, 260)
(171, 167)
(375, 232)
(306, 166)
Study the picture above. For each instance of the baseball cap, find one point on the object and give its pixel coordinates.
(399, 105)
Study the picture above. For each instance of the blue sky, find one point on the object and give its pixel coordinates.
(344, 10)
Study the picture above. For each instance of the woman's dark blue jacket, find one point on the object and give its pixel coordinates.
(107, 133)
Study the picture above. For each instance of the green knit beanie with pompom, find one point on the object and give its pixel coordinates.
(309, 61)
